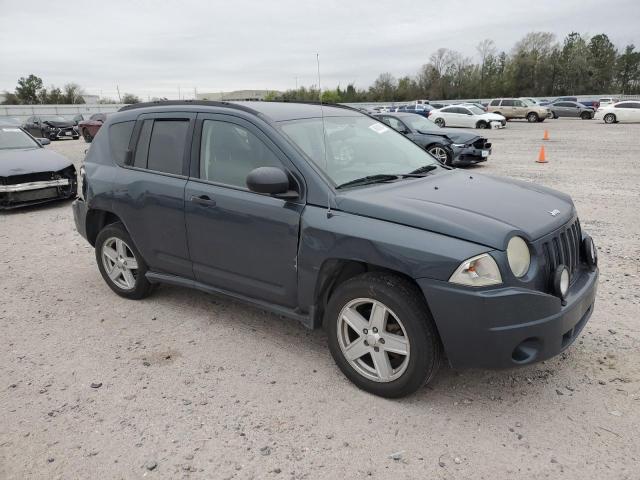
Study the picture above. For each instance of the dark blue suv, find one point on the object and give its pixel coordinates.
(328, 216)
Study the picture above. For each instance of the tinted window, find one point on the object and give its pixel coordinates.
(564, 104)
(228, 153)
(495, 103)
(449, 110)
(633, 105)
(166, 149)
(142, 149)
(507, 103)
(119, 136)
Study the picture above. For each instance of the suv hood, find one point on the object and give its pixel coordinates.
(58, 124)
(481, 209)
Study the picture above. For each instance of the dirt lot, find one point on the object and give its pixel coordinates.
(197, 386)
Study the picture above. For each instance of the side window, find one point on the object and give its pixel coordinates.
(563, 104)
(507, 103)
(495, 103)
(633, 105)
(142, 148)
(518, 103)
(119, 136)
(161, 145)
(622, 105)
(228, 152)
(448, 110)
(395, 124)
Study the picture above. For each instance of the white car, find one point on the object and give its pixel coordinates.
(606, 101)
(627, 111)
(466, 116)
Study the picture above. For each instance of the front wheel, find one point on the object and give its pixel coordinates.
(381, 334)
(120, 263)
(441, 154)
(86, 135)
(482, 124)
(585, 116)
(609, 118)
(439, 121)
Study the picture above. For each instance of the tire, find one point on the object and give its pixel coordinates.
(109, 236)
(610, 118)
(482, 124)
(585, 116)
(555, 116)
(441, 153)
(532, 117)
(439, 121)
(86, 135)
(403, 311)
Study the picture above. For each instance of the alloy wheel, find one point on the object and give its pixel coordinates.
(120, 263)
(440, 154)
(373, 340)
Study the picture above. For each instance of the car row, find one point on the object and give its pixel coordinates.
(337, 220)
(626, 111)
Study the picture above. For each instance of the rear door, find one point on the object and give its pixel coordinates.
(519, 109)
(241, 241)
(151, 202)
(507, 109)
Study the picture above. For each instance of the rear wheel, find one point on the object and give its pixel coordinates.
(381, 334)
(610, 118)
(441, 154)
(554, 115)
(120, 263)
(86, 135)
(439, 121)
(532, 117)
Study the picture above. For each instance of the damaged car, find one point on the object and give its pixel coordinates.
(457, 148)
(53, 127)
(31, 174)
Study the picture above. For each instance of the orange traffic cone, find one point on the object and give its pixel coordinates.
(541, 156)
(546, 135)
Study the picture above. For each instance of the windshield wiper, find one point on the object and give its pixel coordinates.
(424, 169)
(379, 178)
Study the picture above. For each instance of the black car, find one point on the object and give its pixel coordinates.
(31, 174)
(450, 146)
(53, 127)
(326, 215)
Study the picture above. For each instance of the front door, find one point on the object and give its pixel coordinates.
(240, 241)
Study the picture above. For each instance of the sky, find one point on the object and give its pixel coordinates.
(168, 48)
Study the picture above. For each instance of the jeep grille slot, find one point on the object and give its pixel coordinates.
(563, 248)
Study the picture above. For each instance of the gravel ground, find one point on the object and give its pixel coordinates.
(195, 386)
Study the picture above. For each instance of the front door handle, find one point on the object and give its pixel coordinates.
(203, 200)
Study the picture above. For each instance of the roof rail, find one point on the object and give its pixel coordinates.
(205, 103)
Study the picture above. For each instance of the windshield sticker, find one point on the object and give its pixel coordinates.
(10, 129)
(378, 128)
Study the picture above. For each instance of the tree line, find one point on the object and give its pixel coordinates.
(537, 66)
(30, 90)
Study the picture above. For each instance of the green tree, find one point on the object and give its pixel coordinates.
(72, 93)
(602, 60)
(628, 70)
(28, 89)
(130, 98)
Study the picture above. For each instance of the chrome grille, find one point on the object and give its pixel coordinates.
(564, 248)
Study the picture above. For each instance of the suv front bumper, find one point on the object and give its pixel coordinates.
(509, 326)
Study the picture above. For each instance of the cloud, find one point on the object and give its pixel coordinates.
(152, 48)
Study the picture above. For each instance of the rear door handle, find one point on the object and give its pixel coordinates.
(203, 200)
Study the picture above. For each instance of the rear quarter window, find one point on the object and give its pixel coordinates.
(119, 137)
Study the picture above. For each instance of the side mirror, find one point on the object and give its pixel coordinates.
(270, 180)
(43, 141)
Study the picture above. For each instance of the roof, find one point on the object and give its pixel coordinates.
(276, 111)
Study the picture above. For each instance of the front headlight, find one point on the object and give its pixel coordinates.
(458, 145)
(518, 256)
(478, 271)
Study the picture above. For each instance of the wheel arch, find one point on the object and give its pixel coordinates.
(96, 221)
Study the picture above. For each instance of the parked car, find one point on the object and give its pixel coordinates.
(330, 217)
(463, 116)
(449, 146)
(606, 101)
(625, 112)
(512, 108)
(29, 173)
(571, 109)
(420, 109)
(89, 128)
(53, 127)
(438, 105)
(4, 120)
(559, 99)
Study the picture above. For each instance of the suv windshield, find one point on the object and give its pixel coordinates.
(12, 137)
(356, 147)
